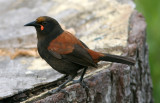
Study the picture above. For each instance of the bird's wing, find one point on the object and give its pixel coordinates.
(80, 56)
(55, 54)
(68, 47)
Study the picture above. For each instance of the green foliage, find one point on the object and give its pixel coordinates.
(151, 11)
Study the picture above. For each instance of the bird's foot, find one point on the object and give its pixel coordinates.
(54, 91)
(81, 82)
(58, 90)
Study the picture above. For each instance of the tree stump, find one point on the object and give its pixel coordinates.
(118, 82)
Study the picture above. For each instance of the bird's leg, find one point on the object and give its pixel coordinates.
(82, 75)
(81, 81)
(71, 77)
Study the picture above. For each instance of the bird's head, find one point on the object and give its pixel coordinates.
(45, 25)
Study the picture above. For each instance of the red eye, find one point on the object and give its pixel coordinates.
(42, 27)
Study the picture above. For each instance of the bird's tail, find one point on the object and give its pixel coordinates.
(117, 59)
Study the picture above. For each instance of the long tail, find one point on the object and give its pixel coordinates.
(118, 59)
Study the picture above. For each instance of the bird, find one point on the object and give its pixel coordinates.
(67, 54)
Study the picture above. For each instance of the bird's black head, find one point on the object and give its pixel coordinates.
(46, 26)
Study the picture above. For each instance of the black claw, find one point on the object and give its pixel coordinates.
(54, 91)
(58, 90)
(76, 81)
(82, 83)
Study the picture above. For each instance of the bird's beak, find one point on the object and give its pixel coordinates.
(33, 23)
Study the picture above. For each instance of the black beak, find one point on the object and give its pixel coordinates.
(33, 23)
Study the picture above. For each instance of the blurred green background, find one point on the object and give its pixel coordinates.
(151, 11)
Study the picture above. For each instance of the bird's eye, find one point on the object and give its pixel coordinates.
(44, 23)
